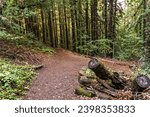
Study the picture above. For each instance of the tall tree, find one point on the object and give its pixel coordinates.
(54, 23)
(73, 23)
(106, 17)
(147, 34)
(50, 28)
(1, 6)
(60, 24)
(112, 25)
(87, 20)
(144, 20)
(94, 19)
(66, 26)
(43, 25)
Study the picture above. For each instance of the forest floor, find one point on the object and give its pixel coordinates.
(59, 76)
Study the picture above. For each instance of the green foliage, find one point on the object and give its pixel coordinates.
(16, 13)
(14, 79)
(145, 69)
(25, 41)
(7, 24)
(96, 47)
(130, 46)
(18, 9)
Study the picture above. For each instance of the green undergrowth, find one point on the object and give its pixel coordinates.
(145, 69)
(25, 41)
(14, 79)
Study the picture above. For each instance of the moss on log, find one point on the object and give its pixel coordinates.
(103, 73)
(84, 91)
(100, 70)
(84, 71)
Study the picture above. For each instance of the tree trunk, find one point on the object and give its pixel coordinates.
(72, 8)
(103, 73)
(147, 38)
(1, 7)
(106, 18)
(99, 69)
(94, 19)
(144, 21)
(43, 25)
(50, 28)
(1, 13)
(53, 24)
(87, 21)
(60, 23)
(66, 27)
(55, 30)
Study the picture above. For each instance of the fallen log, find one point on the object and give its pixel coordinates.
(99, 69)
(140, 83)
(103, 73)
(117, 81)
(85, 71)
(103, 96)
(105, 84)
(103, 89)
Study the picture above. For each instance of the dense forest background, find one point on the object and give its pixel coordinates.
(107, 28)
(31, 30)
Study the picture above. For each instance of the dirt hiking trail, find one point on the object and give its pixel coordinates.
(59, 77)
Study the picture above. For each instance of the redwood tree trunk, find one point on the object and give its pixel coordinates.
(94, 19)
(72, 8)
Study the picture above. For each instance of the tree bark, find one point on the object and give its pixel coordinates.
(99, 69)
(72, 8)
(106, 18)
(87, 21)
(43, 25)
(103, 73)
(66, 27)
(94, 19)
(50, 28)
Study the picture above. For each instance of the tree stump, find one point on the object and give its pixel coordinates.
(140, 83)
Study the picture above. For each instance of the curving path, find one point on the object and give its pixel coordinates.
(58, 78)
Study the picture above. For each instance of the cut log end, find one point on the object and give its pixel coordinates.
(141, 83)
(93, 63)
